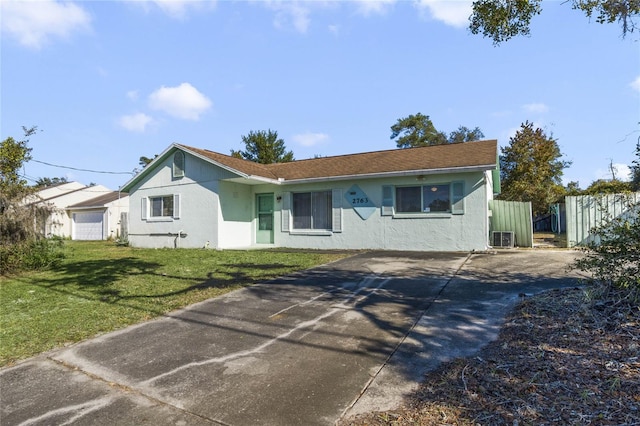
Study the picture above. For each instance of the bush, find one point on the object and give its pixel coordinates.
(30, 255)
(613, 257)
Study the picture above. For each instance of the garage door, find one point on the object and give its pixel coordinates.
(88, 226)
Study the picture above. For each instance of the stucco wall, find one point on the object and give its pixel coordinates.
(236, 215)
(199, 207)
(432, 232)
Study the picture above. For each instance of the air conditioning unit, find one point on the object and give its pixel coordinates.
(503, 239)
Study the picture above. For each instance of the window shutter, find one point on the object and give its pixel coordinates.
(457, 197)
(336, 207)
(286, 202)
(387, 201)
(143, 208)
(176, 206)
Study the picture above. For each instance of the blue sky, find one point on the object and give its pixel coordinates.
(108, 82)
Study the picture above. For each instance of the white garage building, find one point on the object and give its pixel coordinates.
(98, 218)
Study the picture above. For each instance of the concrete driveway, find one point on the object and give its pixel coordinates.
(345, 338)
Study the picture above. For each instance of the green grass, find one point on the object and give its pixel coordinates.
(100, 287)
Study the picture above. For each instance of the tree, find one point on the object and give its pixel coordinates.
(635, 170)
(45, 182)
(572, 189)
(463, 134)
(606, 186)
(531, 169)
(502, 20)
(13, 154)
(264, 147)
(20, 243)
(144, 161)
(416, 130)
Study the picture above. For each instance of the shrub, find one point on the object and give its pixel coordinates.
(613, 257)
(30, 255)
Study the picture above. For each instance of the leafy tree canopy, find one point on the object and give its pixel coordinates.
(635, 170)
(606, 186)
(573, 188)
(464, 134)
(264, 147)
(418, 130)
(502, 20)
(144, 161)
(531, 169)
(13, 154)
(45, 182)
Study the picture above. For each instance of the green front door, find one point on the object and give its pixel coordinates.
(264, 207)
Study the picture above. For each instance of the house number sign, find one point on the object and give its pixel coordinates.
(360, 202)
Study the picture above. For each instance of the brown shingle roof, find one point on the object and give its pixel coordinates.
(100, 201)
(481, 154)
(247, 167)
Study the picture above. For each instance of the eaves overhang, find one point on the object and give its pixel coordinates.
(71, 208)
(380, 175)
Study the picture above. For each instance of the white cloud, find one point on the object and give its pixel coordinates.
(310, 139)
(291, 14)
(132, 95)
(453, 13)
(183, 101)
(374, 7)
(622, 172)
(635, 84)
(135, 122)
(176, 9)
(34, 23)
(536, 108)
(334, 29)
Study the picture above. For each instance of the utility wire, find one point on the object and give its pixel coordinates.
(83, 170)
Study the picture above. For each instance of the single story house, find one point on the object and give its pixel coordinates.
(74, 207)
(430, 198)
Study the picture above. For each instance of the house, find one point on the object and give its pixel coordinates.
(430, 198)
(74, 210)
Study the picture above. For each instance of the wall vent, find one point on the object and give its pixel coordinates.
(503, 239)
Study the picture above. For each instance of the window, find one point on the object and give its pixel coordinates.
(161, 206)
(408, 199)
(438, 198)
(178, 164)
(435, 198)
(312, 210)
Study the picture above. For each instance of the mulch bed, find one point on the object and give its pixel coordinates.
(560, 359)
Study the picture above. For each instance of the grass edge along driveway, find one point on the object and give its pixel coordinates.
(100, 287)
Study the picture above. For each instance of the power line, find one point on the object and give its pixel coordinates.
(83, 170)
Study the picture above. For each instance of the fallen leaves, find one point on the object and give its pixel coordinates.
(559, 359)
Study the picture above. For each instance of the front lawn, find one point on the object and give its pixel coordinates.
(100, 287)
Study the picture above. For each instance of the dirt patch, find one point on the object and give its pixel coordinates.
(559, 359)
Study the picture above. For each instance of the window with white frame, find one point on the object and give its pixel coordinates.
(312, 210)
(424, 199)
(162, 206)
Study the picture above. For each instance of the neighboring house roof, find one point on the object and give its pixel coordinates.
(99, 201)
(467, 156)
